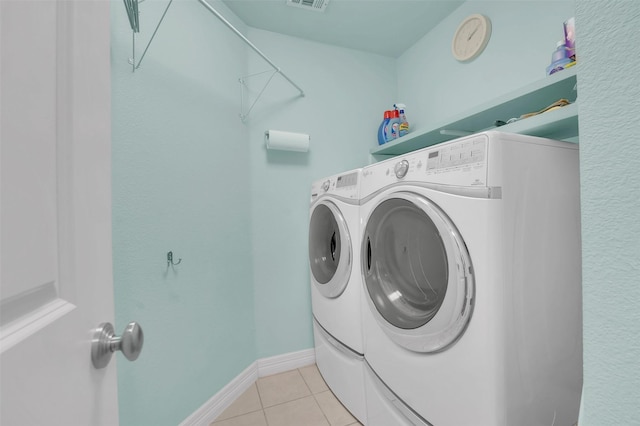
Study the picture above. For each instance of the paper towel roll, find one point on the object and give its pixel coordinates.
(286, 141)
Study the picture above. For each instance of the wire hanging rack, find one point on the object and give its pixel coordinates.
(133, 13)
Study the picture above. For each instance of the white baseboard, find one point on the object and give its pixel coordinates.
(285, 362)
(219, 402)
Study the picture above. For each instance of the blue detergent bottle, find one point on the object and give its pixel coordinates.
(392, 130)
(382, 129)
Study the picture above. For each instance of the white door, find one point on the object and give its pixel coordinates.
(55, 269)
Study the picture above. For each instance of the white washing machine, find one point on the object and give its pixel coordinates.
(336, 287)
(471, 263)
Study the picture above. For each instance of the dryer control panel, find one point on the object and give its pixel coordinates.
(466, 158)
(462, 162)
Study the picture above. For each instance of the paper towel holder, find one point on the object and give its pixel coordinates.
(286, 141)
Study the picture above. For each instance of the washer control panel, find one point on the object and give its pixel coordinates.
(345, 185)
(348, 180)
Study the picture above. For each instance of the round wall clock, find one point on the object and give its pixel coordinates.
(471, 37)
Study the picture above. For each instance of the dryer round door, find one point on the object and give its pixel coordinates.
(417, 272)
(330, 257)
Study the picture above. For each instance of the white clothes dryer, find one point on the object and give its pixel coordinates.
(471, 264)
(336, 287)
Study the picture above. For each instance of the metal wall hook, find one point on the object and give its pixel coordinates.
(170, 260)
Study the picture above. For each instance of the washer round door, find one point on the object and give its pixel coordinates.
(417, 272)
(330, 248)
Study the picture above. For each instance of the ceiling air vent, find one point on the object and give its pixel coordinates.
(317, 5)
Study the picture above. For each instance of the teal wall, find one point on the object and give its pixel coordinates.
(179, 185)
(189, 176)
(609, 96)
(435, 86)
(346, 94)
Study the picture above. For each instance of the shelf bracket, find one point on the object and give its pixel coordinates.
(243, 86)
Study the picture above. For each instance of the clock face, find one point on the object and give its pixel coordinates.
(471, 37)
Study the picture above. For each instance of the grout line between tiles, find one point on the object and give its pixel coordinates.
(305, 381)
(259, 396)
(239, 415)
(296, 399)
(286, 402)
(311, 393)
(321, 410)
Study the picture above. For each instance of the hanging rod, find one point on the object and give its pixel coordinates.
(251, 45)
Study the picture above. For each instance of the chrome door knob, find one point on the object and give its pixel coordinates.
(105, 343)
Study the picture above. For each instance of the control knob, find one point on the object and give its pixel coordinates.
(326, 185)
(401, 169)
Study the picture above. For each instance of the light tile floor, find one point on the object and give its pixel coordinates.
(293, 398)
